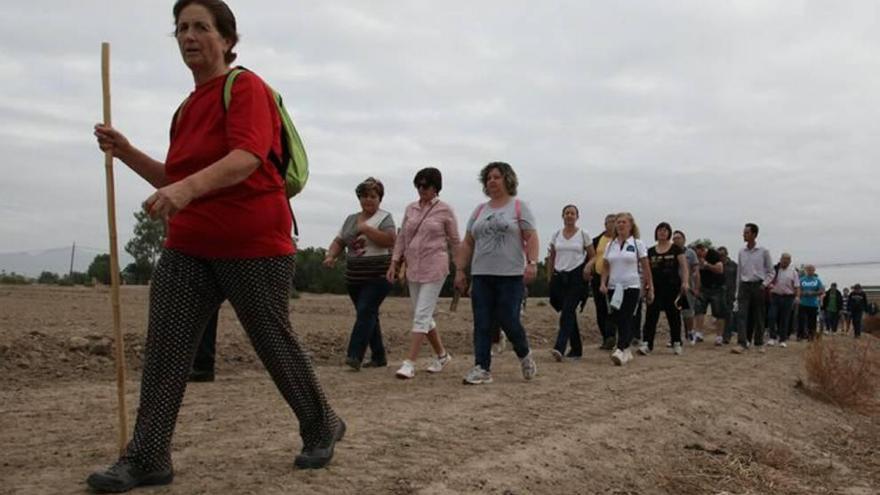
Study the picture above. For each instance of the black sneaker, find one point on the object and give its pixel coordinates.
(608, 344)
(201, 376)
(353, 363)
(320, 455)
(123, 476)
(375, 364)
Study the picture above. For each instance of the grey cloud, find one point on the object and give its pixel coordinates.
(704, 114)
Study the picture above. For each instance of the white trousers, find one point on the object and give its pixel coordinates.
(423, 296)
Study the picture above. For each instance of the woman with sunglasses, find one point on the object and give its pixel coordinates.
(428, 234)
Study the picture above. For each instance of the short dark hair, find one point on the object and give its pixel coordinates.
(429, 176)
(753, 227)
(224, 21)
(663, 225)
(506, 171)
(700, 245)
(577, 212)
(370, 184)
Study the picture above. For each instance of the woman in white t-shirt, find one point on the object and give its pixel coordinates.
(570, 249)
(626, 272)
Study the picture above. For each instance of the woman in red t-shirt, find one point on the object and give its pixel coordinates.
(228, 238)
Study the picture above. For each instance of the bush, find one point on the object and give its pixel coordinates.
(844, 373)
(48, 278)
(13, 278)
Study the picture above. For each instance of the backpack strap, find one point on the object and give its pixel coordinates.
(478, 211)
(517, 206)
(227, 86)
(175, 117)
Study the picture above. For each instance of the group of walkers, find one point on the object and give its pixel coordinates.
(228, 239)
(500, 248)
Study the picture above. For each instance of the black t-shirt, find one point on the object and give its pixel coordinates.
(664, 268)
(858, 302)
(708, 278)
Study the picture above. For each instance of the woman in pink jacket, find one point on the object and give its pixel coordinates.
(428, 233)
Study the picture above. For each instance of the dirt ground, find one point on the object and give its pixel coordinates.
(705, 422)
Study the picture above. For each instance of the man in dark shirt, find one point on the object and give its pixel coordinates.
(858, 305)
(832, 303)
(713, 293)
(730, 291)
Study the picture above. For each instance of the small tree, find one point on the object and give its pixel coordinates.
(144, 247)
(76, 278)
(100, 269)
(707, 242)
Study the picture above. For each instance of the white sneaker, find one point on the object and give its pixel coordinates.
(719, 341)
(771, 342)
(676, 348)
(477, 376)
(498, 348)
(529, 368)
(783, 345)
(627, 356)
(407, 370)
(557, 356)
(439, 363)
(644, 350)
(617, 357)
(698, 336)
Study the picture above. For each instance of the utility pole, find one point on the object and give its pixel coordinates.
(72, 252)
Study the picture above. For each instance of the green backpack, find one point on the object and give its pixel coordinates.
(293, 165)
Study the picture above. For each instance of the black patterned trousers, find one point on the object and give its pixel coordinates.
(185, 292)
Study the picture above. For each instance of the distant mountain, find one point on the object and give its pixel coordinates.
(57, 260)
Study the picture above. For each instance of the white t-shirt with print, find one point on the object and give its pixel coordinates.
(624, 263)
(570, 253)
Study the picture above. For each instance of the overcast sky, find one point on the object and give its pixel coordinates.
(703, 114)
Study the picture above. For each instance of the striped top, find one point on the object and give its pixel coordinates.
(364, 259)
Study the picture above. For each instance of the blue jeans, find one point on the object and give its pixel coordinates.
(572, 288)
(832, 320)
(497, 297)
(779, 316)
(857, 323)
(367, 331)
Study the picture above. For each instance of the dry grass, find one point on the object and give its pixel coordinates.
(744, 468)
(844, 373)
(871, 324)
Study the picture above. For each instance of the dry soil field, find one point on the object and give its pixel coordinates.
(705, 422)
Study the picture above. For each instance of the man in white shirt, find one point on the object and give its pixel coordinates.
(754, 273)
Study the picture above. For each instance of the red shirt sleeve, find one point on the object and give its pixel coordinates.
(250, 117)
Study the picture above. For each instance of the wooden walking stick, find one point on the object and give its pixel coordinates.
(114, 257)
(453, 305)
